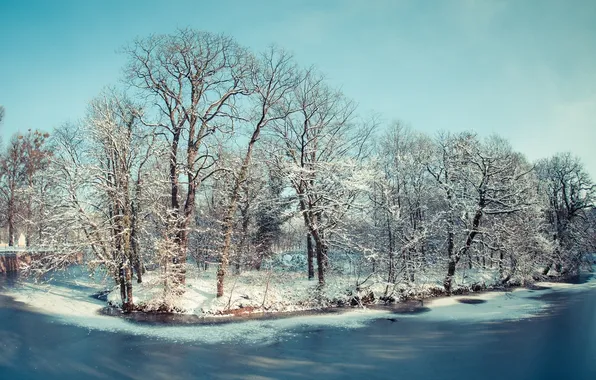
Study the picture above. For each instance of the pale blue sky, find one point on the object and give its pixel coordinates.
(525, 69)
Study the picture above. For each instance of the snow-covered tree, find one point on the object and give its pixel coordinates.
(401, 194)
(570, 193)
(479, 181)
(319, 147)
(24, 159)
(99, 171)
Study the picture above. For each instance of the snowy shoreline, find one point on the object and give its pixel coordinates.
(70, 303)
(58, 301)
(255, 295)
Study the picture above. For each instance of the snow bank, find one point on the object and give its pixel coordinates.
(557, 285)
(517, 304)
(72, 305)
(498, 306)
(255, 291)
(69, 306)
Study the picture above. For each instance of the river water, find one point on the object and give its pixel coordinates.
(542, 334)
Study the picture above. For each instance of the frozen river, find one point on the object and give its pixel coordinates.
(542, 334)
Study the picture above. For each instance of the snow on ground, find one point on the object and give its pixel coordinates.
(558, 285)
(258, 291)
(455, 300)
(57, 301)
(520, 303)
(72, 305)
(69, 306)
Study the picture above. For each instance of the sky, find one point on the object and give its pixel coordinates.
(524, 69)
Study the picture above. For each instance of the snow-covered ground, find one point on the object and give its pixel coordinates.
(262, 291)
(70, 303)
(74, 307)
(256, 291)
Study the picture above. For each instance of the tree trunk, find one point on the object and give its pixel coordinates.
(126, 287)
(447, 283)
(182, 250)
(224, 261)
(390, 271)
(321, 254)
(11, 230)
(311, 254)
(411, 264)
(244, 240)
(177, 220)
(454, 259)
(450, 273)
(137, 262)
(134, 209)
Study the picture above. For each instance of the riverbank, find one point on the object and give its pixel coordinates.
(75, 299)
(283, 293)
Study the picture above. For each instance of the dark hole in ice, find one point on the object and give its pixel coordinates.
(471, 301)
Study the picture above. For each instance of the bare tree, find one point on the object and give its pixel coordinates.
(99, 167)
(479, 181)
(314, 143)
(273, 78)
(192, 79)
(37, 155)
(12, 175)
(570, 193)
(400, 196)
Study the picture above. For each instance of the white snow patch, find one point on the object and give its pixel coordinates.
(501, 306)
(67, 307)
(259, 291)
(454, 300)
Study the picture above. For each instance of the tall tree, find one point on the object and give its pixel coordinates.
(570, 193)
(273, 78)
(400, 195)
(37, 155)
(100, 169)
(192, 78)
(317, 144)
(12, 177)
(25, 156)
(480, 180)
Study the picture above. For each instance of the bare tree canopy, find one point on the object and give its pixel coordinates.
(192, 80)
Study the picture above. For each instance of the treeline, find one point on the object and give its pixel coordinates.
(232, 157)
